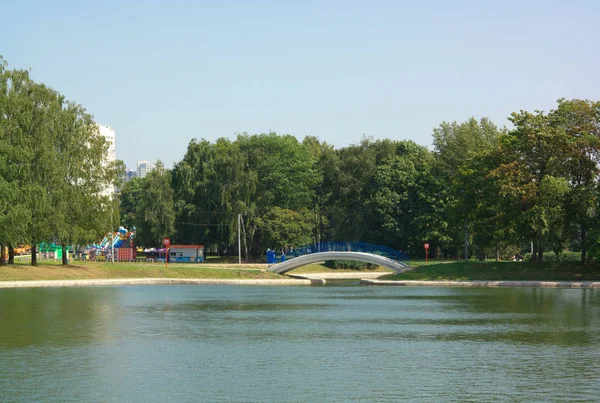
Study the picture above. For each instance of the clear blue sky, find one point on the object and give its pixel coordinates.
(162, 74)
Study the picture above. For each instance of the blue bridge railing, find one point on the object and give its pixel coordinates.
(341, 246)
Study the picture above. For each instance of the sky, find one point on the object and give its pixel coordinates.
(161, 73)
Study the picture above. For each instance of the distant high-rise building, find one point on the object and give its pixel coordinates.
(127, 176)
(109, 134)
(143, 167)
(130, 174)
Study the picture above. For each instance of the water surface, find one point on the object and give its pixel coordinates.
(219, 343)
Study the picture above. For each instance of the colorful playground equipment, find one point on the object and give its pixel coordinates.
(121, 241)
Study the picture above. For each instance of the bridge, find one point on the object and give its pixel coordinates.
(357, 251)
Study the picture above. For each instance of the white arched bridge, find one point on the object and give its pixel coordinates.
(357, 251)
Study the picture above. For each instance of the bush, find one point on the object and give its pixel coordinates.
(349, 264)
(563, 257)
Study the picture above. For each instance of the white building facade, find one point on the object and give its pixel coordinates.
(109, 134)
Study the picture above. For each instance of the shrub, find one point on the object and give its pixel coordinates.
(349, 264)
(563, 257)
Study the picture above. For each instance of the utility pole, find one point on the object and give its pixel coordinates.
(239, 239)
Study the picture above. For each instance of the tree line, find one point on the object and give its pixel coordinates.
(52, 169)
(483, 191)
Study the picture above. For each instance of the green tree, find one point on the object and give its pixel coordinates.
(406, 200)
(326, 166)
(13, 210)
(80, 176)
(281, 228)
(534, 156)
(29, 115)
(580, 120)
(129, 198)
(350, 216)
(455, 144)
(155, 216)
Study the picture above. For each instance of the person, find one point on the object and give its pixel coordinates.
(283, 256)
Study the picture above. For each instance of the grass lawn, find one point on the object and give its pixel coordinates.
(94, 270)
(525, 271)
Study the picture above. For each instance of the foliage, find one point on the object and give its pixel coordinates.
(558, 257)
(280, 228)
(350, 264)
(482, 191)
(128, 201)
(51, 166)
(155, 216)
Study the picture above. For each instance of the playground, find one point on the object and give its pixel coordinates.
(121, 243)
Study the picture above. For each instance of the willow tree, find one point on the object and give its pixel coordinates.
(155, 215)
(81, 173)
(52, 167)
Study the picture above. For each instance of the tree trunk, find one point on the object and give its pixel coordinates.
(2, 255)
(33, 254)
(540, 250)
(316, 227)
(64, 254)
(245, 239)
(497, 251)
(534, 251)
(321, 226)
(466, 239)
(583, 246)
(11, 254)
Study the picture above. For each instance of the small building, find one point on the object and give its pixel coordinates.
(186, 253)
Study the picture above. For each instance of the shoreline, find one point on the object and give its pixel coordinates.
(298, 280)
(483, 283)
(150, 281)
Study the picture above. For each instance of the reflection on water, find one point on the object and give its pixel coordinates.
(278, 344)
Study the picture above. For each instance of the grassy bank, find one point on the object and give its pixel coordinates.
(492, 271)
(93, 270)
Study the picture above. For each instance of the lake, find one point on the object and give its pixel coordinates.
(338, 343)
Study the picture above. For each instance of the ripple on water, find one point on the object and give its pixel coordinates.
(328, 344)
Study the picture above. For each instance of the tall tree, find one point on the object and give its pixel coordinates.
(13, 163)
(580, 119)
(81, 173)
(155, 215)
(326, 166)
(128, 201)
(455, 143)
(29, 118)
(534, 158)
